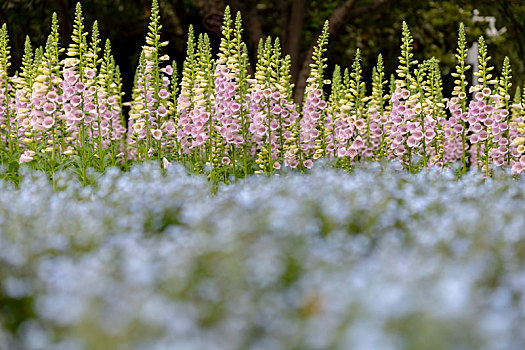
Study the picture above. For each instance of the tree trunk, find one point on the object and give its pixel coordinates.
(284, 13)
(294, 33)
(336, 21)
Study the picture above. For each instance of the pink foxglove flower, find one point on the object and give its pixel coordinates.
(26, 157)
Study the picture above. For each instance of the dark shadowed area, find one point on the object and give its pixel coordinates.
(373, 26)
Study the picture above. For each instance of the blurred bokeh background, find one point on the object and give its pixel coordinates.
(374, 26)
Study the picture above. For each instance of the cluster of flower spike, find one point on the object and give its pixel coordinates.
(61, 109)
(222, 121)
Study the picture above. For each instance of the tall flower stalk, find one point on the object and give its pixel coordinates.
(60, 111)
